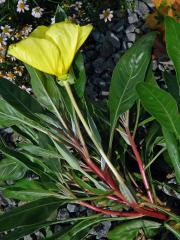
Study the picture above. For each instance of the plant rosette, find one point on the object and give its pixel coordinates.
(65, 144)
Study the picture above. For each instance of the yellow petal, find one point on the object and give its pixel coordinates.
(39, 53)
(39, 32)
(83, 33)
(68, 37)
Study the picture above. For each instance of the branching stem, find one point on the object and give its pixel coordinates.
(140, 164)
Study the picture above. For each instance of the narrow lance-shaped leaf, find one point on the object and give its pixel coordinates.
(172, 85)
(80, 74)
(33, 212)
(11, 169)
(173, 150)
(130, 229)
(172, 30)
(45, 89)
(161, 105)
(28, 190)
(129, 71)
(20, 100)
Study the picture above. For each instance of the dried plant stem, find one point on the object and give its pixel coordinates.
(140, 164)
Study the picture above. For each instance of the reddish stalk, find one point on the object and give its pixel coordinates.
(140, 164)
(106, 177)
(106, 211)
(151, 213)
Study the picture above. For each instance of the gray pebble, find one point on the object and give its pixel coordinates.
(113, 39)
(130, 29)
(131, 37)
(72, 208)
(133, 18)
(63, 214)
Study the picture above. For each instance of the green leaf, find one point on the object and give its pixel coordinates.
(76, 230)
(173, 150)
(174, 231)
(10, 116)
(172, 86)
(19, 99)
(86, 186)
(25, 230)
(161, 105)
(41, 152)
(130, 229)
(50, 157)
(80, 74)
(172, 30)
(25, 161)
(11, 169)
(60, 15)
(67, 156)
(150, 75)
(45, 89)
(34, 212)
(130, 70)
(28, 190)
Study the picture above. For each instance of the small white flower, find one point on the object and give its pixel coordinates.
(77, 5)
(22, 6)
(2, 1)
(107, 15)
(6, 30)
(53, 20)
(26, 30)
(37, 12)
(3, 40)
(28, 90)
(10, 76)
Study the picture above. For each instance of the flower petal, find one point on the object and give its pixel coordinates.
(39, 53)
(68, 37)
(39, 32)
(83, 33)
(65, 36)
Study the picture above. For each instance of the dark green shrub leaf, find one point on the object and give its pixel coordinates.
(129, 71)
(45, 89)
(172, 30)
(173, 150)
(28, 190)
(11, 169)
(172, 86)
(80, 74)
(60, 15)
(130, 229)
(19, 99)
(34, 212)
(161, 105)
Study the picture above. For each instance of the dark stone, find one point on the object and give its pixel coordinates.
(113, 39)
(119, 27)
(63, 214)
(106, 49)
(98, 64)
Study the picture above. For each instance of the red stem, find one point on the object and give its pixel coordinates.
(151, 213)
(106, 211)
(140, 165)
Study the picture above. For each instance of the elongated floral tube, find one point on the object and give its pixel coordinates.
(51, 49)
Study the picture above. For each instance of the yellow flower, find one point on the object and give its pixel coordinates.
(51, 49)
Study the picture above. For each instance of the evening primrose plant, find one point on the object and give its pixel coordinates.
(76, 152)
